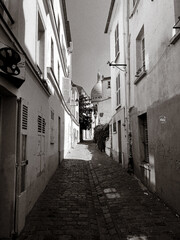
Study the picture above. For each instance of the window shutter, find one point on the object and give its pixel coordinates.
(41, 124)
(24, 117)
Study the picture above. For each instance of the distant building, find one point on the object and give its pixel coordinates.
(37, 126)
(84, 134)
(101, 100)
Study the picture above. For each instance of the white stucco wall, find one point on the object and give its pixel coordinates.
(119, 112)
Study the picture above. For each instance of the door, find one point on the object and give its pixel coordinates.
(119, 142)
(7, 162)
(22, 162)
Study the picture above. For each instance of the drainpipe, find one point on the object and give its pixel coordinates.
(130, 160)
(127, 74)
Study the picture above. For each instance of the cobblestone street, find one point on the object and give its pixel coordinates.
(91, 197)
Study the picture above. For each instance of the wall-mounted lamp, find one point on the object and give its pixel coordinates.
(116, 64)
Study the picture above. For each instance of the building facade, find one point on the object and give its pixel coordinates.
(35, 62)
(116, 27)
(155, 94)
(152, 93)
(101, 101)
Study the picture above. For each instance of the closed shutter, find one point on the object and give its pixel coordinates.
(24, 117)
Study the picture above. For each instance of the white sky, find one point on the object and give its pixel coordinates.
(90, 44)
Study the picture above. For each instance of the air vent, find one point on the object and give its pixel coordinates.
(24, 117)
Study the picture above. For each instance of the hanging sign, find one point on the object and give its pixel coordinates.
(12, 64)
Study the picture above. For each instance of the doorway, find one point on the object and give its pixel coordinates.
(8, 124)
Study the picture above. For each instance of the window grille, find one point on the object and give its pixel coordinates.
(144, 136)
(52, 55)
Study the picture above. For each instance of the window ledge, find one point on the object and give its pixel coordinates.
(175, 38)
(139, 77)
(117, 107)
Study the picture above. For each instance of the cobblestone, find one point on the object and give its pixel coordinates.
(90, 197)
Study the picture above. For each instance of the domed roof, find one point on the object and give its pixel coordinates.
(96, 92)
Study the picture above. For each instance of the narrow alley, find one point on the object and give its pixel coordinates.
(91, 197)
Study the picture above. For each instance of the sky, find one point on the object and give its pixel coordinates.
(90, 44)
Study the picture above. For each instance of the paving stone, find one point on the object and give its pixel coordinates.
(98, 200)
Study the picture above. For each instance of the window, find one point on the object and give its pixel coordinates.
(143, 130)
(59, 28)
(52, 128)
(59, 74)
(4, 11)
(176, 27)
(64, 53)
(109, 84)
(176, 10)
(40, 45)
(52, 54)
(143, 51)
(114, 127)
(116, 41)
(23, 163)
(118, 92)
(140, 53)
